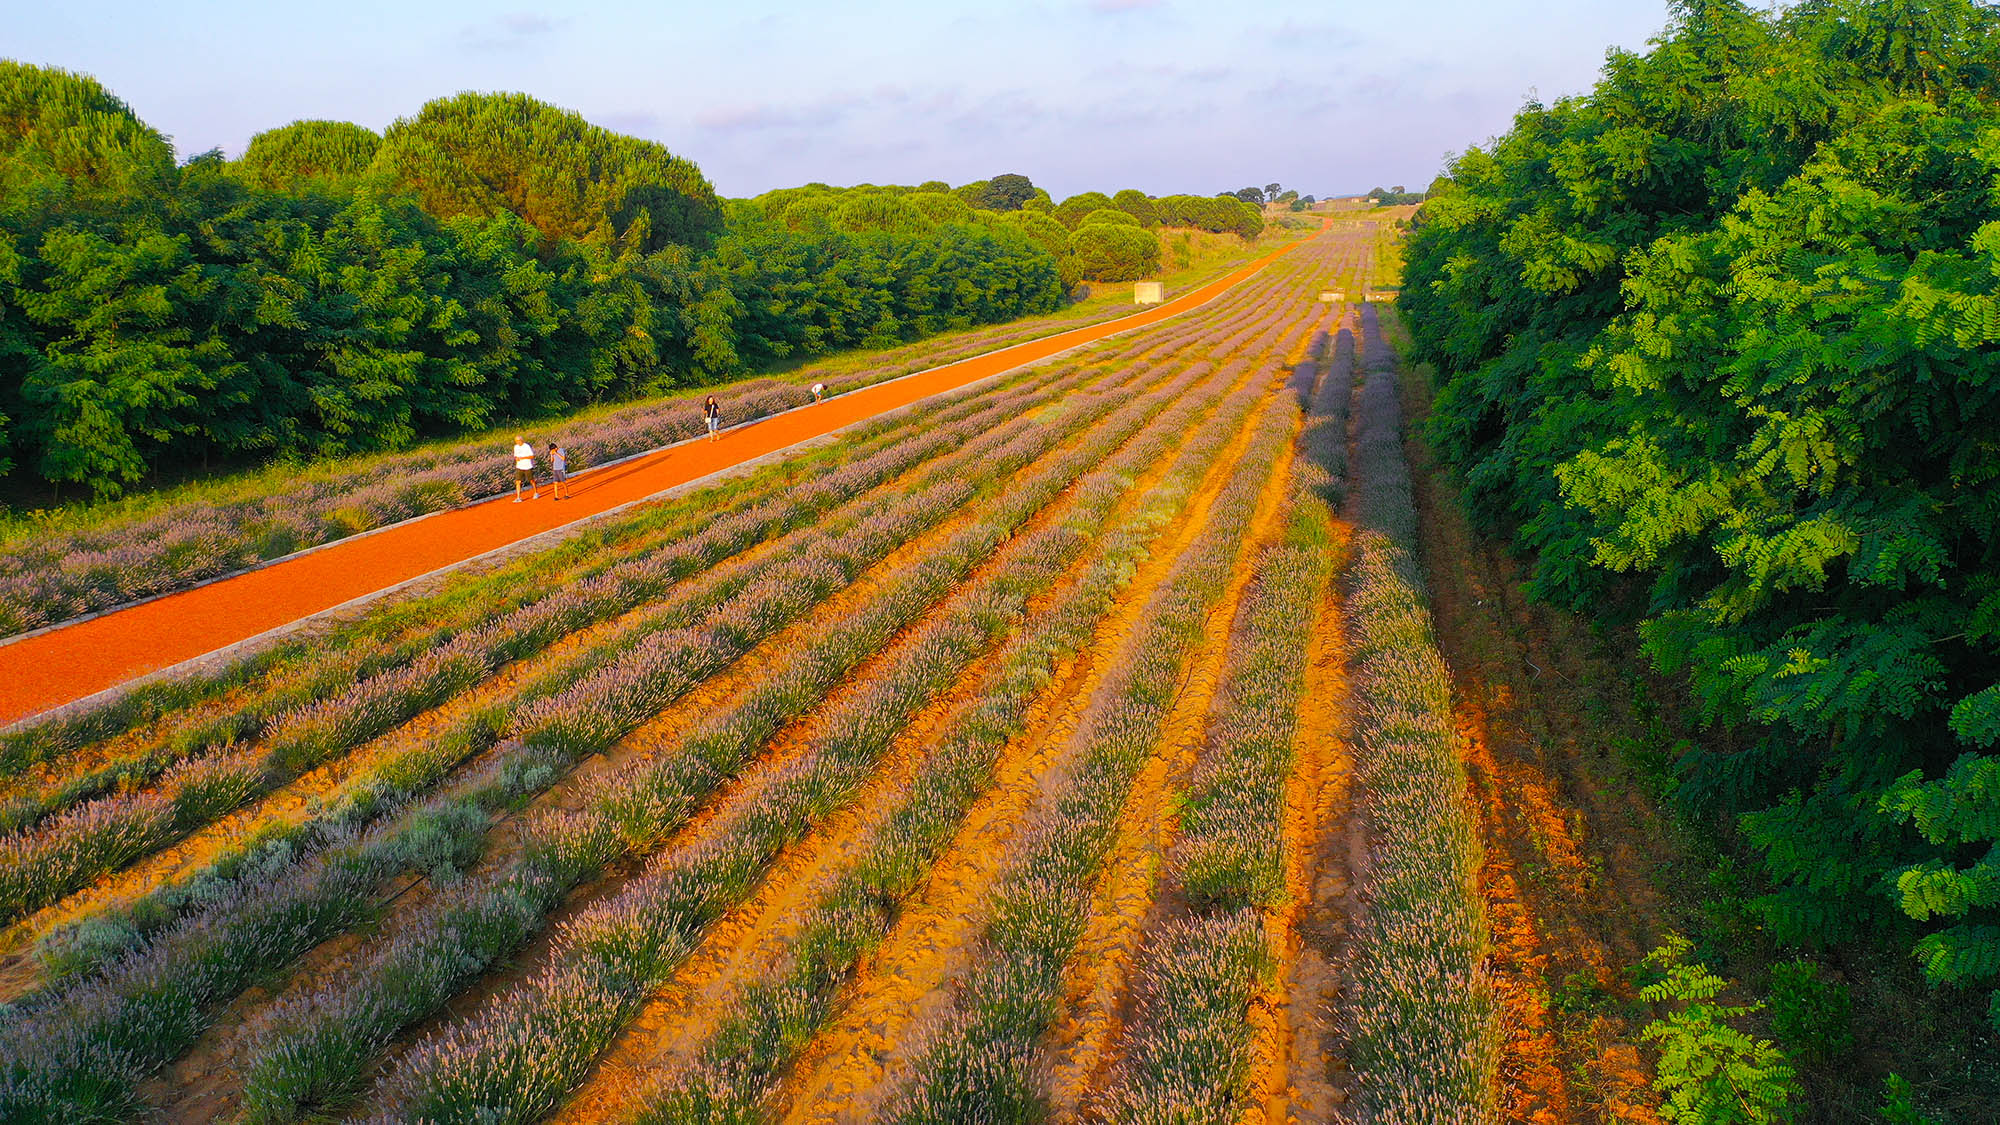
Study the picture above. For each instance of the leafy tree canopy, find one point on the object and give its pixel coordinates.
(1111, 215)
(480, 154)
(67, 142)
(1003, 193)
(308, 155)
(1072, 210)
(1139, 205)
(1719, 342)
(1114, 251)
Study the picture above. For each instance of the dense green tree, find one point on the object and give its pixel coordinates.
(1254, 195)
(497, 259)
(875, 210)
(1109, 215)
(1139, 205)
(1114, 251)
(327, 156)
(1004, 193)
(480, 154)
(1045, 231)
(1720, 344)
(941, 207)
(69, 146)
(1219, 214)
(1072, 210)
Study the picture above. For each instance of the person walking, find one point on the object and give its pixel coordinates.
(558, 471)
(524, 468)
(819, 392)
(711, 411)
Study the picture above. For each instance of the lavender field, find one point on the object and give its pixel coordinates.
(974, 767)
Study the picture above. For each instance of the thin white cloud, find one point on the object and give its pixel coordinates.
(508, 32)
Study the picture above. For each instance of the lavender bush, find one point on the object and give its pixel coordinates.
(1426, 1032)
(1186, 1056)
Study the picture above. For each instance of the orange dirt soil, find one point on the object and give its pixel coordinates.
(1293, 1044)
(1568, 847)
(73, 661)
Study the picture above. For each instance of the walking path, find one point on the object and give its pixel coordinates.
(70, 662)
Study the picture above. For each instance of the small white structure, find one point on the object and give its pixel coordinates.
(1381, 296)
(1148, 293)
(1329, 296)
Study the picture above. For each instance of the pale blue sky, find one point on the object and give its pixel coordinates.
(1162, 95)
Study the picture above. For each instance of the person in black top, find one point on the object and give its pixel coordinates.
(712, 411)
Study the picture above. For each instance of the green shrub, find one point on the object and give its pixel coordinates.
(1711, 1072)
(1899, 1105)
(350, 520)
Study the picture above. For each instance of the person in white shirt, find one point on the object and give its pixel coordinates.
(819, 391)
(524, 469)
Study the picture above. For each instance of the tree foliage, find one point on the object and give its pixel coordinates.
(1216, 214)
(493, 258)
(481, 154)
(329, 156)
(1720, 343)
(1114, 251)
(1139, 205)
(1006, 192)
(1711, 1071)
(1070, 212)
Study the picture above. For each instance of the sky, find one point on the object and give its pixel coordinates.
(1165, 96)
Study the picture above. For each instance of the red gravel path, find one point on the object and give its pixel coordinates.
(73, 661)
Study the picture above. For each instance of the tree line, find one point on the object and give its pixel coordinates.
(334, 291)
(1719, 343)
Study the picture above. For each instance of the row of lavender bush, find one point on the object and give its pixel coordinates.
(772, 1017)
(1425, 1024)
(634, 814)
(1186, 1056)
(981, 1059)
